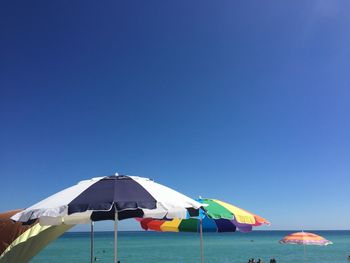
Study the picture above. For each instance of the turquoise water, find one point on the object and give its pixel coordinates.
(151, 247)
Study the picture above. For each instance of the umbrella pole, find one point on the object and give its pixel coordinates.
(201, 239)
(116, 236)
(91, 241)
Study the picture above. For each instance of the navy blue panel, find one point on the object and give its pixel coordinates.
(110, 215)
(120, 191)
(225, 225)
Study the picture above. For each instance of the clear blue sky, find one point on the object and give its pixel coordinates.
(244, 101)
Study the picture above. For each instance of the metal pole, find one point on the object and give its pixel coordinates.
(92, 241)
(201, 239)
(116, 236)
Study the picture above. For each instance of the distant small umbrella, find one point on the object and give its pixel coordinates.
(305, 238)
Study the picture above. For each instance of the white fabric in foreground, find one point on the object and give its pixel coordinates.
(55, 205)
(169, 198)
(77, 218)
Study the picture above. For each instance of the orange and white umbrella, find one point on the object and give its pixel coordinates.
(305, 238)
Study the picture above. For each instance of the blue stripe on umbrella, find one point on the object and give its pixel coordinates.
(110, 191)
(110, 215)
(209, 225)
(225, 225)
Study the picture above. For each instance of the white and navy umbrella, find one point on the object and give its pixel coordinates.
(112, 197)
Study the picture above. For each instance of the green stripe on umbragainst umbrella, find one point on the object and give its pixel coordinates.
(216, 211)
(189, 225)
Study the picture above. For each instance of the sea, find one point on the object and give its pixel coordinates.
(154, 247)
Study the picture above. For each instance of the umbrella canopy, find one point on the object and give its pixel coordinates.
(114, 197)
(217, 216)
(101, 198)
(305, 238)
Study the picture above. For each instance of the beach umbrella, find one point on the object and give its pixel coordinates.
(116, 198)
(216, 216)
(305, 238)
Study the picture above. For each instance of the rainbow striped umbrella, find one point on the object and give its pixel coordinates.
(216, 216)
(305, 238)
